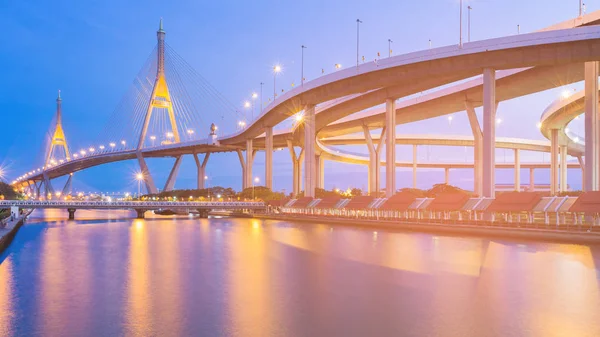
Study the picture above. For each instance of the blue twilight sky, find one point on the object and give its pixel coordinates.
(92, 50)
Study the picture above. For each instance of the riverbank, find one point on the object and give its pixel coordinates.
(10, 229)
(482, 231)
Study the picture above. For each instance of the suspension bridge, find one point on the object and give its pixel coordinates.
(164, 114)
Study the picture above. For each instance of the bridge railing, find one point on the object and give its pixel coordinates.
(130, 204)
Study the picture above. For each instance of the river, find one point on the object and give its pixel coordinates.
(183, 276)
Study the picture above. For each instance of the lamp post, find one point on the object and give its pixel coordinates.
(276, 69)
(254, 96)
(139, 177)
(469, 23)
(207, 188)
(255, 181)
(580, 7)
(460, 27)
(358, 22)
(390, 47)
(152, 138)
(247, 106)
(302, 68)
(261, 97)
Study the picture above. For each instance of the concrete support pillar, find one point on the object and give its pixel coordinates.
(201, 169)
(374, 169)
(71, 213)
(148, 180)
(531, 179)
(320, 171)
(310, 166)
(477, 149)
(140, 213)
(517, 170)
(390, 147)
(553, 161)
(269, 157)
(67, 188)
(170, 184)
(249, 161)
(414, 168)
(297, 168)
(489, 133)
(582, 166)
(592, 124)
(563, 168)
(447, 175)
(243, 165)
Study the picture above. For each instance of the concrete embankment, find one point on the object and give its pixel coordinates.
(482, 231)
(10, 229)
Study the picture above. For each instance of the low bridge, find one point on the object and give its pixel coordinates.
(203, 207)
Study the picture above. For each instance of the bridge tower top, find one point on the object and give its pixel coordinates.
(58, 137)
(160, 97)
(160, 36)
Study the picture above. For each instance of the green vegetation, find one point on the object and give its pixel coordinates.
(435, 190)
(7, 192)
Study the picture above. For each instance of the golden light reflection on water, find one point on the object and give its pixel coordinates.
(138, 317)
(6, 297)
(250, 302)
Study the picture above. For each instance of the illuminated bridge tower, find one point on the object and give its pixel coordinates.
(57, 142)
(160, 98)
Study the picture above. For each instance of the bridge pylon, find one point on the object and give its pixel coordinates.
(160, 97)
(58, 140)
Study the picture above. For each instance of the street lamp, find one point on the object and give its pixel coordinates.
(276, 70)
(254, 97)
(256, 180)
(337, 66)
(358, 22)
(139, 177)
(390, 47)
(152, 138)
(469, 23)
(207, 188)
(460, 26)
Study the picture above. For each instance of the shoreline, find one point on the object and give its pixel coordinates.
(7, 234)
(480, 231)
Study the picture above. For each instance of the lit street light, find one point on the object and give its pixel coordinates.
(139, 177)
(255, 181)
(276, 70)
(254, 97)
(207, 188)
(152, 138)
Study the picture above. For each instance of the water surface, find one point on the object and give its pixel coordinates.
(243, 277)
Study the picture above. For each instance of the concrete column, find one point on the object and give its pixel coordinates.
(414, 168)
(243, 165)
(373, 164)
(390, 147)
(249, 157)
(582, 166)
(477, 149)
(201, 167)
(563, 168)
(269, 157)
(320, 171)
(148, 180)
(296, 168)
(592, 132)
(553, 161)
(310, 166)
(531, 179)
(170, 184)
(447, 175)
(71, 213)
(489, 133)
(517, 170)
